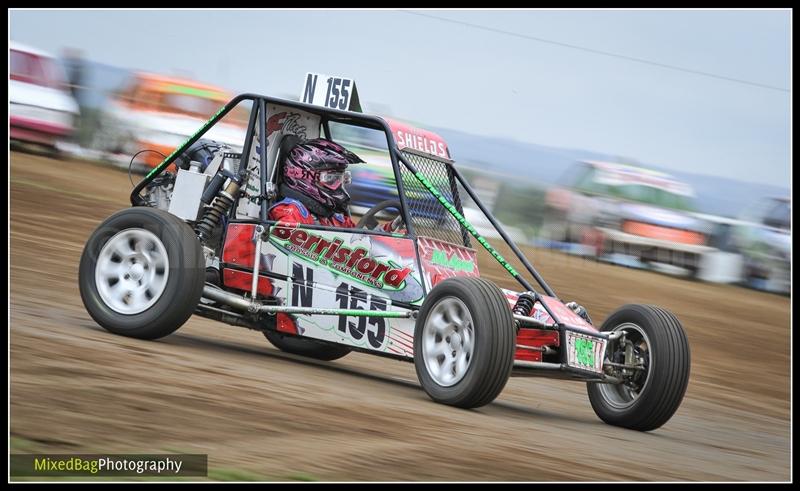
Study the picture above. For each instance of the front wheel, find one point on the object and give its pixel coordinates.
(142, 273)
(655, 351)
(464, 342)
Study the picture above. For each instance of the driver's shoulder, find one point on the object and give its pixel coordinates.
(291, 203)
(291, 210)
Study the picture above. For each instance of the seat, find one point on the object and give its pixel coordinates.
(285, 145)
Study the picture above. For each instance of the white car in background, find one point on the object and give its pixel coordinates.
(483, 226)
(41, 109)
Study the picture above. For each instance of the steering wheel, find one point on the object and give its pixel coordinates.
(369, 221)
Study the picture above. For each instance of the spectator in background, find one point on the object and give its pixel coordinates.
(77, 78)
(73, 64)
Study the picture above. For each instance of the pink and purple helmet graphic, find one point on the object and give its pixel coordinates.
(308, 160)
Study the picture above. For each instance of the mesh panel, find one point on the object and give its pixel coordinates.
(428, 215)
(431, 219)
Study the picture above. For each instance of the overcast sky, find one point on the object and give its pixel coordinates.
(479, 80)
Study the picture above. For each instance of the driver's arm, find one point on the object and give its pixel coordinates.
(346, 221)
(390, 226)
(394, 226)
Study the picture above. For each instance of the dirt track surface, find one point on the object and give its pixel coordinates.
(222, 390)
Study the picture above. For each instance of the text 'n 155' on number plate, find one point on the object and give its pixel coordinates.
(585, 352)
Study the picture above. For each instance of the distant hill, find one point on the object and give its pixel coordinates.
(543, 165)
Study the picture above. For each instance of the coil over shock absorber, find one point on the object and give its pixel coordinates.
(219, 207)
(524, 305)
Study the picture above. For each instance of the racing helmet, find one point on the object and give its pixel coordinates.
(315, 171)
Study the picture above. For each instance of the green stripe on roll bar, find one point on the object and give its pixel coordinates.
(183, 145)
(464, 223)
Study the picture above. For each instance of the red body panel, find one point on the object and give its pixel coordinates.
(241, 280)
(286, 324)
(534, 338)
(434, 271)
(565, 314)
(239, 247)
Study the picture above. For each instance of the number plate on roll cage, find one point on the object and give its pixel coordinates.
(585, 352)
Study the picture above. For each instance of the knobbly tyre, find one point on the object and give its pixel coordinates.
(198, 240)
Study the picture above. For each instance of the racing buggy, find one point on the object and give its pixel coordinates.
(197, 240)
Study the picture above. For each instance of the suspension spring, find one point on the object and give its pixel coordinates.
(219, 207)
(524, 305)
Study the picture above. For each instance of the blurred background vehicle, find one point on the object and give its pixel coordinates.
(623, 214)
(41, 109)
(627, 213)
(159, 113)
(765, 242)
(374, 180)
(484, 227)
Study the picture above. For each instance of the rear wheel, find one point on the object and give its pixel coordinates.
(656, 345)
(306, 346)
(142, 273)
(464, 342)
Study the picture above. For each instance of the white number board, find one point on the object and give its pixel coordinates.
(331, 92)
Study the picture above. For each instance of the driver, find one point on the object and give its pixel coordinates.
(314, 175)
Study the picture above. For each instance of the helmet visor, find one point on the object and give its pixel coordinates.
(333, 179)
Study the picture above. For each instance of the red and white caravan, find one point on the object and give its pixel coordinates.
(200, 242)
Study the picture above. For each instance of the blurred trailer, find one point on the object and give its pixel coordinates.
(157, 112)
(627, 215)
(724, 263)
(41, 109)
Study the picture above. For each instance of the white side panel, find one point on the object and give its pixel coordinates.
(361, 272)
(281, 121)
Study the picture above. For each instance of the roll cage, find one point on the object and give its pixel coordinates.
(405, 162)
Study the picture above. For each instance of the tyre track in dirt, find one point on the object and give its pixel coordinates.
(217, 389)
